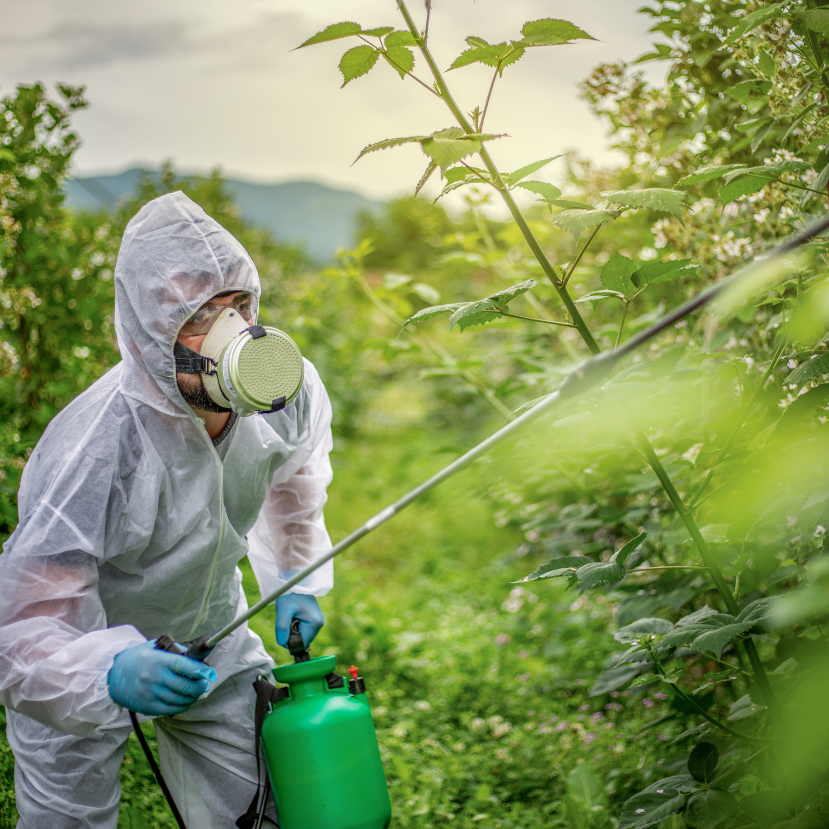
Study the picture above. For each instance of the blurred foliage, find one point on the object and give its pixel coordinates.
(683, 504)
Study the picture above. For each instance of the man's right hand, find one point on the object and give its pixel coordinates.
(155, 682)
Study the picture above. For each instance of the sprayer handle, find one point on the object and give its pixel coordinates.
(296, 646)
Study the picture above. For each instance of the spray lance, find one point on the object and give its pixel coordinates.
(333, 778)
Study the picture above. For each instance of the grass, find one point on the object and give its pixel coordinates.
(478, 687)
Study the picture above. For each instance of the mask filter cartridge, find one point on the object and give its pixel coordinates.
(249, 368)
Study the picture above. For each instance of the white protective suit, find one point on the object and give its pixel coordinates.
(131, 526)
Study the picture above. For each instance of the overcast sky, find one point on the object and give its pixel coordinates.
(215, 82)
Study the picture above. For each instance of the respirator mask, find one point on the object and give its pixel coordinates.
(246, 368)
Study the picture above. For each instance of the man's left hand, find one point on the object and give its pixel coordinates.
(297, 606)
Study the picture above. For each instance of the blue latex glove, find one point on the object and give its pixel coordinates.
(157, 683)
(297, 606)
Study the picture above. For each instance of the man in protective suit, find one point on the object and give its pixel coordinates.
(135, 509)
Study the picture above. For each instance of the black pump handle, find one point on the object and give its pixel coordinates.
(295, 644)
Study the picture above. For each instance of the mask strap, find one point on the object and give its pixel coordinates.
(191, 362)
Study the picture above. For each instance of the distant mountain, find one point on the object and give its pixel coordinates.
(319, 218)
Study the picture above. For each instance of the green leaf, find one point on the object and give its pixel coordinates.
(598, 573)
(804, 406)
(400, 38)
(433, 311)
(564, 566)
(400, 58)
(809, 370)
(498, 55)
(817, 20)
(743, 186)
(466, 173)
(707, 173)
(744, 708)
(425, 177)
(709, 808)
(131, 818)
(765, 62)
(426, 292)
(523, 172)
(584, 785)
(622, 555)
(390, 142)
(7, 155)
(547, 191)
(578, 205)
(652, 198)
(447, 147)
(333, 32)
(379, 32)
(575, 221)
(616, 274)
(654, 272)
(487, 309)
(551, 32)
(753, 20)
(630, 634)
(790, 571)
(672, 676)
(702, 762)
(357, 62)
(649, 808)
(613, 678)
(596, 296)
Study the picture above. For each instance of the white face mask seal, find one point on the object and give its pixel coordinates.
(246, 368)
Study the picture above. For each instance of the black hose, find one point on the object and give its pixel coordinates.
(157, 772)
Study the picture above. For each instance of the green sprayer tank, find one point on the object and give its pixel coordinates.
(322, 754)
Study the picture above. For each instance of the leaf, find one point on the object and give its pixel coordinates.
(333, 32)
(547, 191)
(616, 274)
(7, 155)
(804, 406)
(709, 808)
(649, 808)
(744, 708)
(564, 566)
(400, 58)
(653, 198)
(809, 370)
(786, 573)
(672, 676)
(654, 272)
(576, 221)
(598, 573)
(390, 142)
(817, 20)
(132, 818)
(425, 177)
(498, 55)
(433, 311)
(702, 762)
(630, 634)
(523, 172)
(759, 612)
(743, 186)
(379, 32)
(584, 785)
(708, 173)
(487, 309)
(357, 62)
(596, 296)
(551, 32)
(578, 205)
(466, 172)
(447, 147)
(622, 555)
(753, 20)
(613, 678)
(400, 38)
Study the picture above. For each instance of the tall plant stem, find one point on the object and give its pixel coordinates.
(552, 274)
(707, 559)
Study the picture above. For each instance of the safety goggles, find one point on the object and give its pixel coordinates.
(202, 321)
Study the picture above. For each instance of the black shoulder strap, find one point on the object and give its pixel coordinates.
(266, 694)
